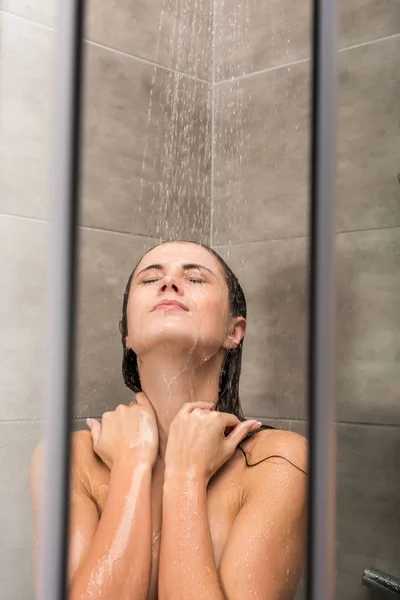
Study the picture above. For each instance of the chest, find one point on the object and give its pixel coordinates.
(224, 494)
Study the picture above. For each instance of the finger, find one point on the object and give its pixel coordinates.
(189, 406)
(95, 429)
(141, 399)
(240, 432)
(229, 420)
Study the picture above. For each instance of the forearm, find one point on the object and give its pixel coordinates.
(118, 564)
(187, 563)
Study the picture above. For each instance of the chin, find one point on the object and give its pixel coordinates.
(175, 334)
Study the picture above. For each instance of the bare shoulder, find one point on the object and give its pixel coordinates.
(290, 445)
(282, 446)
(82, 451)
(279, 472)
(83, 457)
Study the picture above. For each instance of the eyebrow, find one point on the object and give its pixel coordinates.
(186, 267)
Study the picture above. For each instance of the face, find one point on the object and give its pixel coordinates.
(179, 299)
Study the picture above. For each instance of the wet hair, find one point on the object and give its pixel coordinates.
(228, 396)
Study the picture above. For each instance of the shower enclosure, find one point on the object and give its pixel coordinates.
(199, 121)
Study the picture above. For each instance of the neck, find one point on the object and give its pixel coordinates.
(170, 380)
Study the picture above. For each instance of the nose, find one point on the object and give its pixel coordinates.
(171, 282)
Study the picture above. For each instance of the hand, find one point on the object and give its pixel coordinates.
(128, 431)
(197, 442)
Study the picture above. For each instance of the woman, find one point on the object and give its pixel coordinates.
(163, 504)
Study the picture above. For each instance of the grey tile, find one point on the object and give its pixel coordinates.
(146, 163)
(105, 264)
(364, 20)
(25, 116)
(251, 35)
(173, 34)
(274, 279)
(261, 149)
(361, 381)
(79, 425)
(368, 326)
(23, 298)
(261, 157)
(367, 492)
(368, 516)
(42, 11)
(300, 427)
(18, 440)
(368, 151)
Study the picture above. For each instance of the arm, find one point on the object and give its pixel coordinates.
(187, 564)
(264, 554)
(106, 560)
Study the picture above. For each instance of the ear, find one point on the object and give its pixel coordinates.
(236, 333)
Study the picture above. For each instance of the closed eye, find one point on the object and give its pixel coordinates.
(190, 279)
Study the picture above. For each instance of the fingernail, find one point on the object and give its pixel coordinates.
(89, 423)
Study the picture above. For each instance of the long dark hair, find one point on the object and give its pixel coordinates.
(228, 396)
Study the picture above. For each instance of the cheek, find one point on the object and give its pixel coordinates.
(214, 315)
(135, 319)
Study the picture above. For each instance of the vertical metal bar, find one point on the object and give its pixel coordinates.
(321, 561)
(63, 280)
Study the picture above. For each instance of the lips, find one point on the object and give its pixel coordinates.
(165, 303)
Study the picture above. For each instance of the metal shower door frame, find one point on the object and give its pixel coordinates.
(321, 560)
(59, 399)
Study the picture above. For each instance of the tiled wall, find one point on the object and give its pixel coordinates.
(260, 215)
(146, 176)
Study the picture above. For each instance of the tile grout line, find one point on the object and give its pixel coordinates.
(146, 61)
(23, 218)
(299, 237)
(262, 71)
(199, 79)
(369, 42)
(151, 237)
(89, 227)
(29, 20)
(304, 60)
(111, 49)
